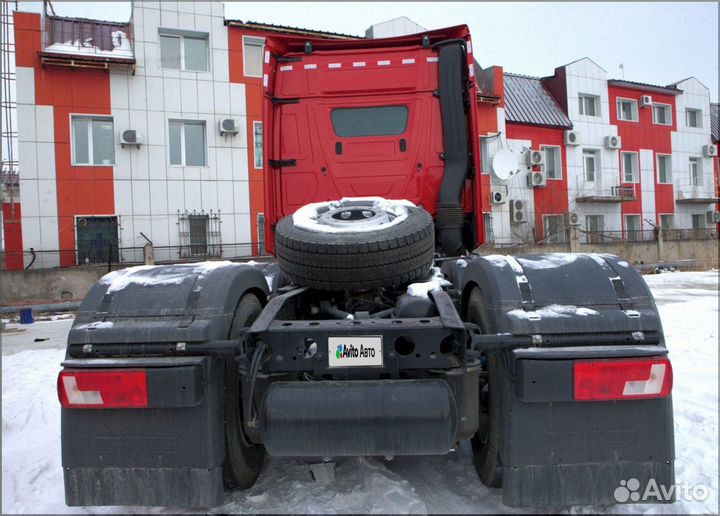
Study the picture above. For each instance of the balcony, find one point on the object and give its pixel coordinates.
(82, 43)
(688, 193)
(597, 192)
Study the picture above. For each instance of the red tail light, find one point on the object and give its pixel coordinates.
(103, 388)
(625, 379)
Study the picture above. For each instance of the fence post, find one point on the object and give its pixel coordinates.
(574, 239)
(659, 243)
(148, 254)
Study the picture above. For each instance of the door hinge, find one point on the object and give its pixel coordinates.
(279, 163)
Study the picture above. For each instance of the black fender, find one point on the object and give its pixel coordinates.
(522, 293)
(169, 303)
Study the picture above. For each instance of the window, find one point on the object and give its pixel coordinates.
(187, 143)
(662, 114)
(200, 235)
(258, 144)
(666, 222)
(184, 50)
(589, 104)
(553, 166)
(253, 56)
(693, 117)
(594, 226)
(484, 157)
(630, 167)
(695, 172)
(632, 227)
(370, 121)
(489, 233)
(590, 165)
(553, 229)
(664, 169)
(93, 140)
(698, 221)
(627, 110)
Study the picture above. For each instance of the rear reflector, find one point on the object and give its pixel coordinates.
(103, 388)
(598, 380)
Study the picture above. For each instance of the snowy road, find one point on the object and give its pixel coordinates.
(32, 476)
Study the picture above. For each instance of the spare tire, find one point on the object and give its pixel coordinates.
(355, 244)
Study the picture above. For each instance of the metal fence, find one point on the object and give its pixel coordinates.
(111, 256)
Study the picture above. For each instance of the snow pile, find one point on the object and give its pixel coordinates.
(436, 282)
(120, 41)
(552, 311)
(307, 216)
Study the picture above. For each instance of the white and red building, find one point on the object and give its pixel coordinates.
(152, 131)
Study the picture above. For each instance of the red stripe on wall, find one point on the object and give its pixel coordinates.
(12, 228)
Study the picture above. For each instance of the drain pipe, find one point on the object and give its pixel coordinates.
(452, 87)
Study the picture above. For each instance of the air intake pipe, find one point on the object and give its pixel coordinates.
(452, 89)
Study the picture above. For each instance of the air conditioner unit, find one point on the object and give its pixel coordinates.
(228, 126)
(710, 151)
(613, 142)
(712, 217)
(535, 178)
(517, 212)
(498, 196)
(535, 157)
(646, 100)
(572, 137)
(572, 219)
(129, 137)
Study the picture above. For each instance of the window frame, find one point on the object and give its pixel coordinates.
(699, 171)
(560, 235)
(89, 118)
(595, 155)
(633, 109)
(627, 231)
(668, 172)
(636, 173)
(672, 220)
(557, 161)
(262, 55)
(698, 118)
(702, 217)
(183, 150)
(596, 104)
(262, 136)
(182, 35)
(668, 108)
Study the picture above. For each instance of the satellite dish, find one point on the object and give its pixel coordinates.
(504, 164)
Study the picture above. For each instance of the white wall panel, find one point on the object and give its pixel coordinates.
(25, 85)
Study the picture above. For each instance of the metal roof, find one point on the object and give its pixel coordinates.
(527, 102)
(289, 30)
(670, 90)
(715, 121)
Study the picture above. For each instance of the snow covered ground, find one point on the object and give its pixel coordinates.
(32, 476)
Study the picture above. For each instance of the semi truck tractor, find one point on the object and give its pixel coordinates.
(379, 330)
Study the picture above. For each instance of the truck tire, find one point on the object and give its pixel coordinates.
(243, 459)
(486, 442)
(355, 244)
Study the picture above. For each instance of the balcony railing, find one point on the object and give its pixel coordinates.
(86, 43)
(600, 191)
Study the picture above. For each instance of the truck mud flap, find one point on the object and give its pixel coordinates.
(167, 454)
(558, 452)
(348, 418)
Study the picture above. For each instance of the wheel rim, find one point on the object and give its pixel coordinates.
(351, 215)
